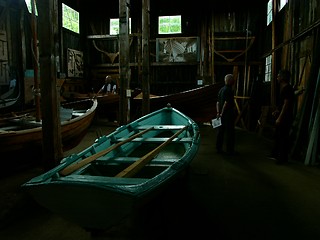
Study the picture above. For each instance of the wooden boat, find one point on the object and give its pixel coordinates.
(198, 103)
(108, 103)
(100, 186)
(21, 132)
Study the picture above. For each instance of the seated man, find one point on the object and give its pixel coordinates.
(109, 86)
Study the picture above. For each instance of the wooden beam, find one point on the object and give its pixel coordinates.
(103, 36)
(232, 38)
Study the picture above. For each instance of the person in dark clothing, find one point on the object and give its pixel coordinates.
(283, 116)
(226, 110)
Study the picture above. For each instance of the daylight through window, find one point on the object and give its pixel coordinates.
(28, 3)
(268, 71)
(269, 12)
(70, 18)
(169, 24)
(115, 26)
(282, 4)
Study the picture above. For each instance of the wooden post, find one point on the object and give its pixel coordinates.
(145, 58)
(124, 61)
(274, 56)
(51, 134)
(36, 90)
(213, 80)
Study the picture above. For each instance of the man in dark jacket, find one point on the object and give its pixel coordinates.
(283, 118)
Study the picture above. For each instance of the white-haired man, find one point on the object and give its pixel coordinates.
(226, 110)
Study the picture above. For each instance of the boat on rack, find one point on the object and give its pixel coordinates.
(11, 97)
(198, 103)
(20, 132)
(100, 186)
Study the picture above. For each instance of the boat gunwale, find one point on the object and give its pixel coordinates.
(74, 158)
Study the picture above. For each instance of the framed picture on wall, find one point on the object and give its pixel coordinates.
(178, 49)
(75, 63)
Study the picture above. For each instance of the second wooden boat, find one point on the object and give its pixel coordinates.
(102, 185)
(21, 132)
(108, 103)
(198, 103)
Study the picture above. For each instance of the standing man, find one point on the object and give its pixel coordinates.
(226, 110)
(283, 118)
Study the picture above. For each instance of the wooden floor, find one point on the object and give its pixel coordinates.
(246, 196)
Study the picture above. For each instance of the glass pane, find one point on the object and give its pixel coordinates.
(70, 18)
(169, 24)
(28, 3)
(115, 26)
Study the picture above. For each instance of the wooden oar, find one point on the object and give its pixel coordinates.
(138, 165)
(71, 168)
(14, 117)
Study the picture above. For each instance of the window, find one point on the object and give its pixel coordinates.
(268, 71)
(70, 18)
(115, 26)
(169, 24)
(28, 3)
(269, 12)
(282, 4)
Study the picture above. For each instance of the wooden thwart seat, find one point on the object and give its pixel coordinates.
(160, 139)
(71, 168)
(138, 165)
(162, 127)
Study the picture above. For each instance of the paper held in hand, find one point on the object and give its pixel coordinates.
(216, 122)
